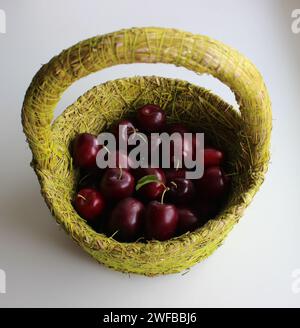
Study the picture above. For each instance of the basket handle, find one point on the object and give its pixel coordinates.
(198, 53)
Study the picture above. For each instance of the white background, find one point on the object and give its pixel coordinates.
(254, 266)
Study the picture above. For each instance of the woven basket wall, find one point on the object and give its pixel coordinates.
(245, 135)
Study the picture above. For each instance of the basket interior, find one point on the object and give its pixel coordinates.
(103, 105)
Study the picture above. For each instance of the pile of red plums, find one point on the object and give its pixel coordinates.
(146, 203)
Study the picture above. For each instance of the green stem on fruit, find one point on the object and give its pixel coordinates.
(145, 180)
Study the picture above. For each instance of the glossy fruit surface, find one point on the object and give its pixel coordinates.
(180, 191)
(187, 220)
(117, 184)
(212, 184)
(160, 221)
(151, 118)
(85, 150)
(152, 190)
(213, 157)
(89, 203)
(130, 201)
(126, 220)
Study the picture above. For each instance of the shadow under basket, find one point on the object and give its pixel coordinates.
(244, 135)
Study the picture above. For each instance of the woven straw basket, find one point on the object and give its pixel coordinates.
(245, 135)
